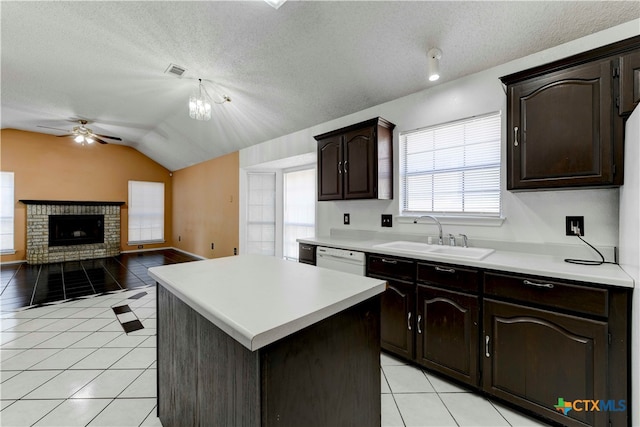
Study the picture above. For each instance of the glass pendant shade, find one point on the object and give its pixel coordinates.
(199, 105)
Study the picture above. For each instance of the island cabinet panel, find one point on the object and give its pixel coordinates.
(327, 374)
(447, 333)
(534, 357)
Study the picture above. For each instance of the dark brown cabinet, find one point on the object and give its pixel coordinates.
(307, 253)
(356, 162)
(560, 129)
(448, 321)
(564, 124)
(397, 305)
(545, 339)
(629, 82)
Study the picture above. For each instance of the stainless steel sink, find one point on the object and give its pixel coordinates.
(444, 251)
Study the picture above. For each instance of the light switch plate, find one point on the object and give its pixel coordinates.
(347, 219)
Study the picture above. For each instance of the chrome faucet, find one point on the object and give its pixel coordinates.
(465, 239)
(452, 240)
(415, 221)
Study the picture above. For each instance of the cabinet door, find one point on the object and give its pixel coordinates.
(330, 168)
(397, 318)
(533, 358)
(360, 164)
(629, 82)
(447, 333)
(559, 129)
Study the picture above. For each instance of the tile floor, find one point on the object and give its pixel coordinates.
(72, 364)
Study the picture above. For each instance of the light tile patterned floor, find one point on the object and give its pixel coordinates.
(71, 364)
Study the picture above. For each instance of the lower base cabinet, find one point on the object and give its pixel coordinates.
(533, 358)
(447, 333)
(396, 318)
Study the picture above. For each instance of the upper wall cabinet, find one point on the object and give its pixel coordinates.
(564, 123)
(356, 162)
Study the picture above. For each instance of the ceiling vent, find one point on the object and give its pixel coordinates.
(175, 70)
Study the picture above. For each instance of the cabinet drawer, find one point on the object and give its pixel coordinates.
(448, 276)
(391, 267)
(548, 292)
(307, 253)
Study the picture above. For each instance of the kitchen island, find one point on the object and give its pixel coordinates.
(257, 341)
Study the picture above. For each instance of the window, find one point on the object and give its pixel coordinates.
(146, 212)
(452, 168)
(6, 212)
(299, 209)
(261, 213)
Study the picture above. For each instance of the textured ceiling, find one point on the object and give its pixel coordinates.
(285, 70)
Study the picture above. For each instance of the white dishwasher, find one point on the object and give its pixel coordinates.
(341, 259)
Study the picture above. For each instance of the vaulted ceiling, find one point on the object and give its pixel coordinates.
(285, 70)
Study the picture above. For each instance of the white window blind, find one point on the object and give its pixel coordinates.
(452, 168)
(146, 212)
(261, 213)
(6, 211)
(299, 209)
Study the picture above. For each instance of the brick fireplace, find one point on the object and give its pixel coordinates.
(39, 249)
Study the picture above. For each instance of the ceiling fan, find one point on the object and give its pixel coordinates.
(83, 134)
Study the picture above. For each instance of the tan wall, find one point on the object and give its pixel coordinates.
(53, 168)
(205, 198)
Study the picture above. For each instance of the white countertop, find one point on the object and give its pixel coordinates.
(504, 260)
(258, 299)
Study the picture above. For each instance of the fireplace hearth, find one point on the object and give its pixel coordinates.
(71, 230)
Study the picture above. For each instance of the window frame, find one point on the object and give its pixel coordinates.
(314, 171)
(449, 216)
(11, 210)
(132, 207)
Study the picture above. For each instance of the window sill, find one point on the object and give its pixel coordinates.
(146, 242)
(8, 252)
(482, 221)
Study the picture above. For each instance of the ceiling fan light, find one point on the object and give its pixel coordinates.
(89, 140)
(79, 139)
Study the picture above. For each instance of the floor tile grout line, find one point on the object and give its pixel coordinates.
(87, 276)
(12, 277)
(64, 286)
(35, 286)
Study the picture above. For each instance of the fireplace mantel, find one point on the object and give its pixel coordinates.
(39, 250)
(71, 202)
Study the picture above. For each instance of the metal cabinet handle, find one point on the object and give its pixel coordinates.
(306, 248)
(515, 136)
(539, 285)
(389, 261)
(345, 166)
(339, 167)
(445, 270)
(409, 321)
(419, 320)
(486, 346)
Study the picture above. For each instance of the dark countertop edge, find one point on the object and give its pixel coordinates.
(71, 202)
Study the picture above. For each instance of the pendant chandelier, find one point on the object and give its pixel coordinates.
(200, 103)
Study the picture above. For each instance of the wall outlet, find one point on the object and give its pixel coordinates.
(140, 246)
(575, 226)
(212, 246)
(347, 219)
(386, 220)
(235, 251)
(179, 238)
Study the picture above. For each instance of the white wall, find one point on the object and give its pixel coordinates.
(630, 245)
(530, 217)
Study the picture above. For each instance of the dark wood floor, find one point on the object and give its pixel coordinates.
(24, 285)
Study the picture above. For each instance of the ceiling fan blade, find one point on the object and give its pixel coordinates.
(107, 136)
(69, 134)
(95, 138)
(48, 127)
